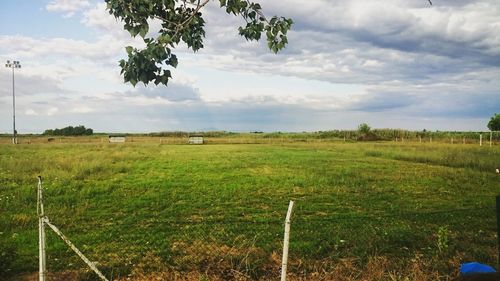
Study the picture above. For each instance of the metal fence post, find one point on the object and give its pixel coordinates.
(75, 249)
(284, 261)
(42, 221)
(41, 233)
(498, 227)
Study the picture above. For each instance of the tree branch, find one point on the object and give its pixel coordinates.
(181, 26)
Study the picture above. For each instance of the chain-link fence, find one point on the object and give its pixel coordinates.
(250, 248)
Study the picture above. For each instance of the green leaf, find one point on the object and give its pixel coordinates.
(129, 50)
(164, 39)
(144, 30)
(133, 82)
(173, 61)
(134, 31)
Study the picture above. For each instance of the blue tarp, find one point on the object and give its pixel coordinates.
(475, 267)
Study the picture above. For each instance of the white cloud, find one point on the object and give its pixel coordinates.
(338, 41)
(97, 17)
(28, 47)
(52, 111)
(82, 109)
(30, 112)
(69, 7)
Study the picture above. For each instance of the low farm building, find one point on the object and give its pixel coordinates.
(116, 139)
(196, 139)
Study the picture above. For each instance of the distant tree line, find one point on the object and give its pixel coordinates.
(362, 134)
(69, 131)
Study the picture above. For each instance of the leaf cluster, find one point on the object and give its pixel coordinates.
(494, 124)
(364, 128)
(182, 21)
(276, 29)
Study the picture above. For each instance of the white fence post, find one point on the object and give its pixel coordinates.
(284, 261)
(42, 220)
(480, 139)
(41, 233)
(491, 138)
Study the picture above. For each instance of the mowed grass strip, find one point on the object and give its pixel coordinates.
(122, 202)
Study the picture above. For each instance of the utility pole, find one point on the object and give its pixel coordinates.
(14, 64)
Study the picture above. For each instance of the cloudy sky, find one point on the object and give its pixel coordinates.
(397, 64)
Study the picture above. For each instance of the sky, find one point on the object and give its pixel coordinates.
(391, 64)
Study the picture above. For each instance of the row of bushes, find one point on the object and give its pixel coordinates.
(381, 134)
(69, 131)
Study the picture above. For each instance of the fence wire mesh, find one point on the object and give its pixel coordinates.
(250, 248)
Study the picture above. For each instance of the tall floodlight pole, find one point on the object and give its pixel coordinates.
(14, 64)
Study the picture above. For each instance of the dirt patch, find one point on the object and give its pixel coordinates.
(219, 268)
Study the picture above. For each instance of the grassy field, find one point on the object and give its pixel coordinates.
(217, 211)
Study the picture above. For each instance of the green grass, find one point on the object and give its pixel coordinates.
(120, 203)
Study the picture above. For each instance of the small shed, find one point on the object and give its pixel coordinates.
(116, 139)
(196, 139)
